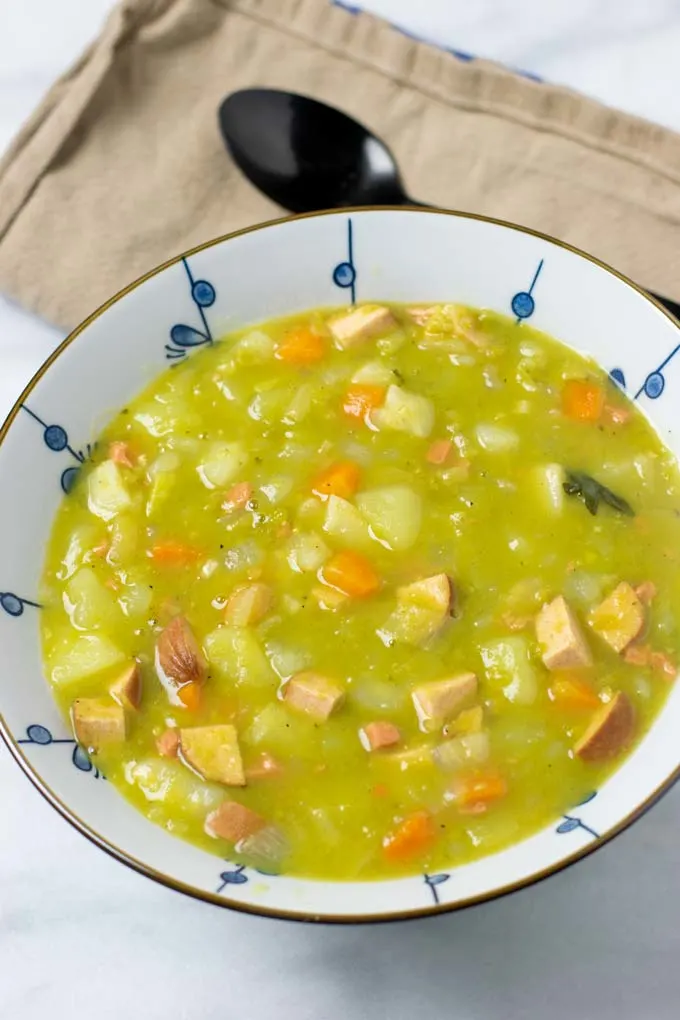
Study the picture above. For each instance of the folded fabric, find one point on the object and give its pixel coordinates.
(122, 165)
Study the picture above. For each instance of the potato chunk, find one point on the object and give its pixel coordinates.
(233, 821)
(439, 700)
(559, 634)
(248, 605)
(97, 723)
(610, 730)
(314, 694)
(126, 689)
(361, 324)
(213, 752)
(423, 608)
(620, 618)
(435, 592)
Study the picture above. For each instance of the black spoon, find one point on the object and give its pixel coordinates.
(308, 156)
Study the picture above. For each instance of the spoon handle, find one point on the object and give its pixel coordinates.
(671, 306)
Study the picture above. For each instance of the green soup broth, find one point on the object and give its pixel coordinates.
(323, 477)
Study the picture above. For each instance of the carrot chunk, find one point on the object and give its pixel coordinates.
(190, 696)
(173, 553)
(473, 793)
(582, 400)
(237, 497)
(120, 453)
(571, 692)
(301, 346)
(360, 399)
(439, 451)
(340, 479)
(351, 574)
(415, 835)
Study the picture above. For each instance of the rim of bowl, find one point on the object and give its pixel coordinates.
(305, 915)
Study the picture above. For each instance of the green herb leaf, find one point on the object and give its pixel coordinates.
(593, 493)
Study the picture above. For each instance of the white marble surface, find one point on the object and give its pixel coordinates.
(80, 933)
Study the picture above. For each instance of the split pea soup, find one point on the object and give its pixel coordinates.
(369, 592)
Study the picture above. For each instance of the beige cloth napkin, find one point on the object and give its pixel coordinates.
(122, 165)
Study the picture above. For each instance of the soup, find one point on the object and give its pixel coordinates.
(366, 592)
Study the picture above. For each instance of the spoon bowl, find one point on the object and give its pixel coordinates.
(306, 155)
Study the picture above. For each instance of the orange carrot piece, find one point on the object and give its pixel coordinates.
(173, 553)
(111, 583)
(237, 496)
(351, 573)
(340, 479)
(101, 549)
(380, 790)
(439, 452)
(120, 453)
(571, 692)
(359, 400)
(301, 346)
(582, 400)
(190, 696)
(473, 793)
(415, 835)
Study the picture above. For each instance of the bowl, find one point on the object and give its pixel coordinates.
(187, 303)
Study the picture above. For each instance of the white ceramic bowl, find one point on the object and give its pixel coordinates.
(272, 270)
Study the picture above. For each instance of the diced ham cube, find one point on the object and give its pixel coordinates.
(126, 689)
(663, 664)
(609, 732)
(167, 744)
(646, 592)
(361, 324)
(233, 821)
(376, 735)
(98, 723)
(559, 634)
(213, 752)
(314, 694)
(439, 700)
(439, 451)
(620, 619)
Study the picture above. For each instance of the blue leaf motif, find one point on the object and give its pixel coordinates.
(81, 760)
(186, 336)
(619, 378)
(39, 734)
(437, 879)
(523, 303)
(568, 825)
(345, 273)
(235, 877)
(587, 799)
(183, 337)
